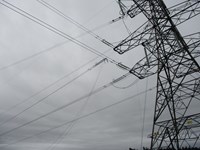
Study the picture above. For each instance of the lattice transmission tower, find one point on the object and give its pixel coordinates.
(174, 58)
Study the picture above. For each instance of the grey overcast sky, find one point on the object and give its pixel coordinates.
(41, 71)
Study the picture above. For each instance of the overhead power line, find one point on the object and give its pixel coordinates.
(53, 92)
(58, 12)
(45, 50)
(144, 115)
(55, 30)
(48, 86)
(55, 46)
(81, 117)
(128, 86)
(70, 127)
(68, 104)
(32, 56)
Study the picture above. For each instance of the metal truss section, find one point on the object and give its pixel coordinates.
(173, 58)
(124, 6)
(147, 66)
(179, 14)
(189, 130)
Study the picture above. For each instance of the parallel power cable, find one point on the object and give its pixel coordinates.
(81, 117)
(48, 86)
(22, 13)
(53, 92)
(38, 53)
(128, 86)
(55, 30)
(68, 104)
(53, 47)
(70, 127)
(61, 14)
(127, 29)
(32, 56)
(144, 114)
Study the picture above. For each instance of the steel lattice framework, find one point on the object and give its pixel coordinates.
(173, 58)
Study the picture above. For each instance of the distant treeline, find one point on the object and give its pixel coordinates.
(183, 148)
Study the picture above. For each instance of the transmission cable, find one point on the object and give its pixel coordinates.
(54, 46)
(127, 29)
(44, 51)
(128, 86)
(48, 86)
(51, 48)
(32, 56)
(53, 92)
(81, 117)
(55, 30)
(68, 104)
(61, 14)
(144, 113)
(70, 127)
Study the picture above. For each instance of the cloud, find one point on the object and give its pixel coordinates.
(116, 128)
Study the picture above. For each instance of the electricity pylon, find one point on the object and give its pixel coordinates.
(173, 58)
